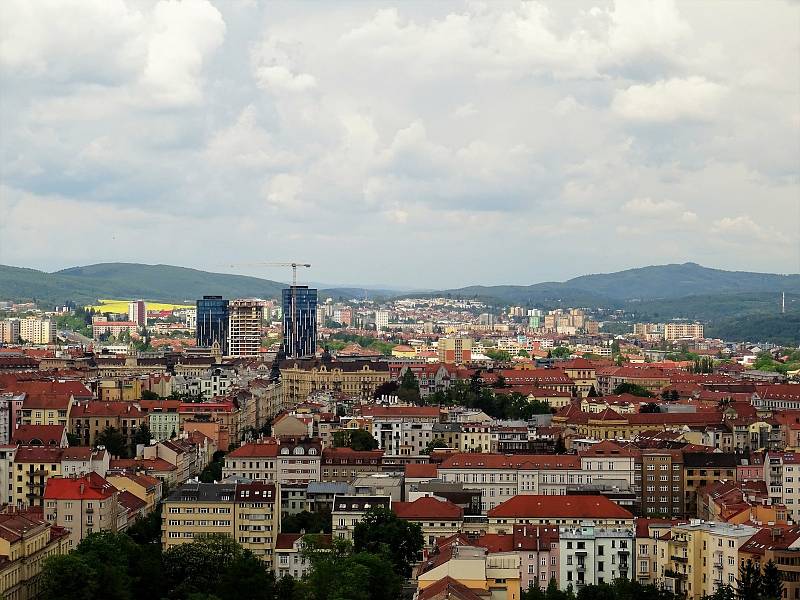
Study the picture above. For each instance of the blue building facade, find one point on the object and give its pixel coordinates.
(299, 340)
(212, 322)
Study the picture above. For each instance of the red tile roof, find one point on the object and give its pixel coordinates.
(428, 508)
(421, 470)
(510, 461)
(88, 487)
(560, 507)
(106, 409)
(46, 435)
(448, 588)
(38, 454)
(255, 450)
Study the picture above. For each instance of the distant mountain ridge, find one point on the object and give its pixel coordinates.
(645, 283)
(170, 283)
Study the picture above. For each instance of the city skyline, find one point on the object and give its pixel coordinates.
(540, 132)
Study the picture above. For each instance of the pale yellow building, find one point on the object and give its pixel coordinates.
(246, 512)
(26, 540)
(354, 379)
(698, 557)
(496, 573)
(35, 330)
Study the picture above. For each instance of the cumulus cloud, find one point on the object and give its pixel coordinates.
(321, 129)
(670, 100)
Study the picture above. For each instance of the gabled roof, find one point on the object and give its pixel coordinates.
(98, 408)
(38, 454)
(255, 450)
(45, 435)
(561, 507)
(428, 508)
(448, 588)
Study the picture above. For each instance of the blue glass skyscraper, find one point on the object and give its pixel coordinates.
(299, 321)
(212, 322)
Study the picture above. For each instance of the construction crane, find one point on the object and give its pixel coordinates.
(293, 308)
(294, 266)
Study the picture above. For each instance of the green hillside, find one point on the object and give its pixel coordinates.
(127, 280)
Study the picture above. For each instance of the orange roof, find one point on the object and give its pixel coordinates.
(255, 450)
(560, 507)
(421, 470)
(97, 408)
(428, 508)
(47, 435)
(401, 411)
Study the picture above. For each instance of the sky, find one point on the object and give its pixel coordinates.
(417, 144)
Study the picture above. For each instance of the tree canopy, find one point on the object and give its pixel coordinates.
(382, 532)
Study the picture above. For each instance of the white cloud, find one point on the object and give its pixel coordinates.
(670, 100)
(647, 207)
(319, 129)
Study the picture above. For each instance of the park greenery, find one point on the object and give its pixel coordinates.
(500, 403)
(355, 439)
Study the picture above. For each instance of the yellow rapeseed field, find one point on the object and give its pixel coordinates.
(121, 306)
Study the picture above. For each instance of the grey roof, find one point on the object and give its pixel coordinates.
(203, 492)
(329, 487)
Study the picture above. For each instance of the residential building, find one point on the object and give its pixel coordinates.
(246, 512)
(677, 331)
(10, 415)
(35, 330)
(137, 312)
(83, 505)
(781, 545)
(381, 319)
(455, 350)
(212, 323)
(462, 570)
(402, 430)
(285, 461)
(162, 418)
(102, 327)
(9, 331)
(661, 483)
(436, 518)
(145, 487)
(88, 419)
(354, 379)
(558, 510)
(348, 511)
(244, 327)
(342, 464)
(80, 460)
(289, 557)
(33, 466)
(26, 541)
(592, 555)
(299, 303)
(697, 558)
(705, 469)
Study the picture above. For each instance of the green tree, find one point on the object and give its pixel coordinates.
(650, 407)
(68, 577)
(381, 531)
(142, 435)
(632, 388)
(498, 355)
(339, 573)
(112, 440)
(309, 522)
(771, 582)
(748, 585)
(73, 439)
(356, 439)
(409, 388)
(592, 392)
(148, 395)
(560, 352)
(433, 444)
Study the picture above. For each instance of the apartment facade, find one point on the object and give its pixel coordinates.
(591, 555)
(244, 327)
(246, 512)
(354, 379)
(35, 330)
(83, 505)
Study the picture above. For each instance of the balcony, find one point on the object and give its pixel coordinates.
(581, 568)
(680, 559)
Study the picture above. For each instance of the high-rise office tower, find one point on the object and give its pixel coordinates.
(137, 313)
(299, 321)
(244, 327)
(212, 322)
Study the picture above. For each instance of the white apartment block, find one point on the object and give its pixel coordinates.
(381, 319)
(782, 476)
(592, 555)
